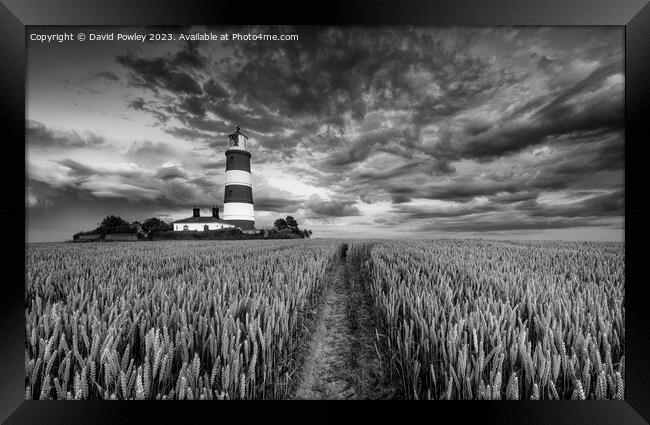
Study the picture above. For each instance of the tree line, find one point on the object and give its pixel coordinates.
(113, 224)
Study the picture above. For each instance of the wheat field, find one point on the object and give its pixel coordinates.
(468, 319)
(180, 320)
(455, 319)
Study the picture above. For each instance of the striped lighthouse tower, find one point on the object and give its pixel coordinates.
(238, 192)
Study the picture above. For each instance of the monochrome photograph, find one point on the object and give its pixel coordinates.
(325, 212)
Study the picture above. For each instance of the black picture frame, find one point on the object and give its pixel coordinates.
(634, 15)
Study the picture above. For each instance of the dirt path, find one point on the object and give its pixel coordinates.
(343, 362)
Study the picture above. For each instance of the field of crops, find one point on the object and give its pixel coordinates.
(456, 319)
(499, 320)
(161, 320)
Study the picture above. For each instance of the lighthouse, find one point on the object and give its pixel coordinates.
(238, 191)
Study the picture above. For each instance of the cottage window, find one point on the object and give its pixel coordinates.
(185, 227)
(206, 227)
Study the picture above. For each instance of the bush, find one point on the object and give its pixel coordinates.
(288, 229)
(223, 234)
(113, 221)
(283, 234)
(78, 235)
(118, 230)
(156, 225)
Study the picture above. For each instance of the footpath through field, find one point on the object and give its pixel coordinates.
(342, 362)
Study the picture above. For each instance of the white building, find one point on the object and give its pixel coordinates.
(198, 223)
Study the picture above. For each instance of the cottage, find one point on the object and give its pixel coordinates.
(198, 223)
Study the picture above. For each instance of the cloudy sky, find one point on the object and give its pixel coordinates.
(357, 132)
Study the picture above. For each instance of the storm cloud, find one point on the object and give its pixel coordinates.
(40, 136)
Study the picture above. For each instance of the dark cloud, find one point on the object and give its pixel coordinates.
(215, 90)
(171, 172)
(419, 212)
(459, 190)
(281, 205)
(149, 149)
(610, 204)
(319, 207)
(214, 165)
(513, 197)
(370, 177)
(510, 224)
(37, 135)
(194, 106)
(194, 123)
(139, 104)
(535, 215)
(329, 72)
(373, 142)
(578, 163)
(399, 198)
(205, 182)
(190, 57)
(158, 73)
(77, 169)
(235, 114)
(167, 188)
(187, 133)
(81, 171)
(110, 76)
(558, 117)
